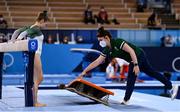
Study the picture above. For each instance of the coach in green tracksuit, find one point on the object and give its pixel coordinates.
(132, 54)
(34, 32)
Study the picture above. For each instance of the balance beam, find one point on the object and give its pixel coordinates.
(22, 45)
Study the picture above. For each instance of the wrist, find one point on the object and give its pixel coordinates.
(84, 72)
(136, 64)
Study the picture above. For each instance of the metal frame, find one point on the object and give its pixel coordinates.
(28, 83)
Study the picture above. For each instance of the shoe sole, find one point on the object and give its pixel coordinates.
(172, 98)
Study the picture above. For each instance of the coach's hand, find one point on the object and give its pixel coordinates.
(136, 70)
(82, 74)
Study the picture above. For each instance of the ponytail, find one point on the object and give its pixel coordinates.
(43, 16)
(103, 33)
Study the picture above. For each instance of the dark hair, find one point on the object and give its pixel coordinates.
(43, 16)
(102, 33)
(102, 7)
(88, 6)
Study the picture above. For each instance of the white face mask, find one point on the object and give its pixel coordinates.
(102, 43)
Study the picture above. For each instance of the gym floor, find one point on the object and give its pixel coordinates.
(65, 101)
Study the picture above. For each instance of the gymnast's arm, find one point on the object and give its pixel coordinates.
(15, 35)
(22, 35)
(94, 64)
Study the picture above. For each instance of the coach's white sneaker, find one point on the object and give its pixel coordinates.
(125, 102)
(174, 92)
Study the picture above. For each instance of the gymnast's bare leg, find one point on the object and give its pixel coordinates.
(38, 78)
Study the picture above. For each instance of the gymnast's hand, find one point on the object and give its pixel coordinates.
(11, 41)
